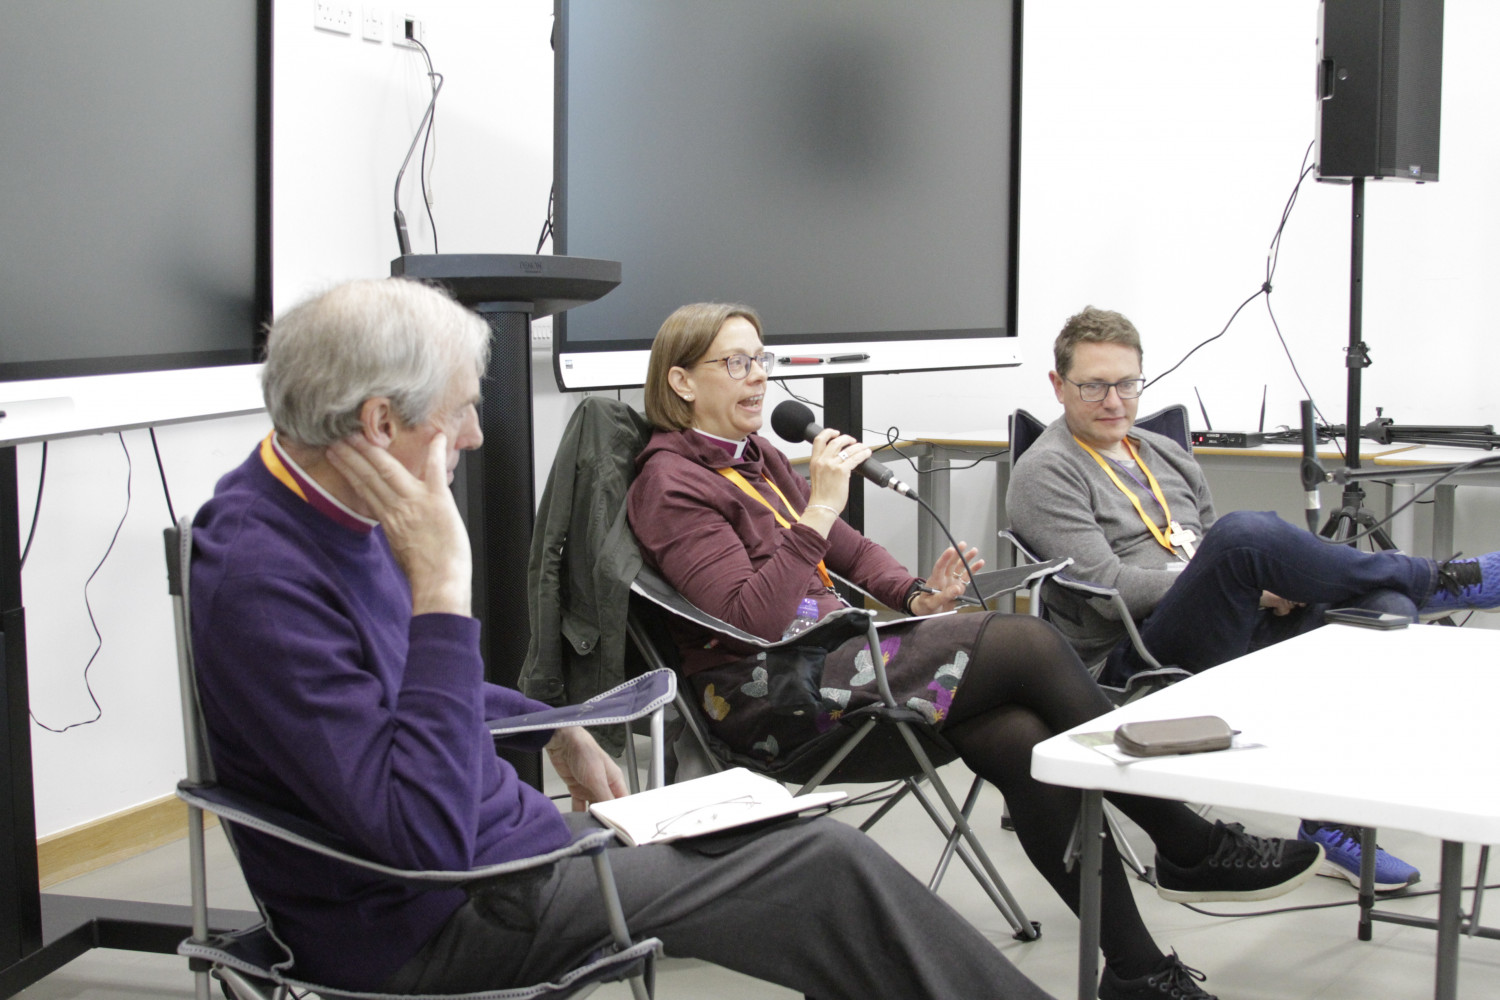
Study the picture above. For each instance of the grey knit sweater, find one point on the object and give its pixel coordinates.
(1062, 504)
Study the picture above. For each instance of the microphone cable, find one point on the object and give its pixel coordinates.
(978, 599)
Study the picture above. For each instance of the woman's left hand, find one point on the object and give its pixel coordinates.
(948, 579)
(590, 774)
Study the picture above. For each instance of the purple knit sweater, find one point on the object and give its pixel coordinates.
(325, 696)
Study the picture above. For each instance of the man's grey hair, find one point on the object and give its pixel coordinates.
(394, 337)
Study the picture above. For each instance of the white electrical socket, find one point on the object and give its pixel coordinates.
(334, 15)
(373, 24)
(405, 27)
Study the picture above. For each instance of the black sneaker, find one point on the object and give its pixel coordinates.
(1240, 867)
(1169, 979)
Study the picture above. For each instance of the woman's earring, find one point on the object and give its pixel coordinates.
(688, 398)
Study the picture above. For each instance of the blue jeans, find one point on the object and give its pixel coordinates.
(1213, 613)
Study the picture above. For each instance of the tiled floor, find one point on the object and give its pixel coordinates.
(1308, 954)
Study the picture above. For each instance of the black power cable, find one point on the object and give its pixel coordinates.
(88, 606)
(424, 133)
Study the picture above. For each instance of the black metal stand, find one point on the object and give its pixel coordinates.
(1352, 518)
(40, 933)
(844, 408)
(494, 485)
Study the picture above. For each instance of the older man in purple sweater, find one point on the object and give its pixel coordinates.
(341, 680)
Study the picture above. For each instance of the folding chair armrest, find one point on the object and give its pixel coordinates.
(1022, 549)
(1121, 609)
(999, 582)
(847, 622)
(634, 699)
(1090, 589)
(255, 815)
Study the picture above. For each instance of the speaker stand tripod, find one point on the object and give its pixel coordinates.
(1352, 518)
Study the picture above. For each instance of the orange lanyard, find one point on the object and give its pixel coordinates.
(733, 475)
(1174, 533)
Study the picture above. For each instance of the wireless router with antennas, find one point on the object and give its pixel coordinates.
(1211, 438)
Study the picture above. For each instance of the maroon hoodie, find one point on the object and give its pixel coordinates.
(725, 552)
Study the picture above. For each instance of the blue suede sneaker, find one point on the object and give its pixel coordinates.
(1466, 584)
(1342, 853)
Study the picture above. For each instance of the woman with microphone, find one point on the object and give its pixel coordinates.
(724, 518)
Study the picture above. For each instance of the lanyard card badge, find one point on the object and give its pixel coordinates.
(1175, 537)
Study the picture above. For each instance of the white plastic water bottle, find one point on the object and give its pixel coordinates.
(807, 617)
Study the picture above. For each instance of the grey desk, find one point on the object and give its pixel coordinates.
(936, 452)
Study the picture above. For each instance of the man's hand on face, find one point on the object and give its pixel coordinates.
(419, 517)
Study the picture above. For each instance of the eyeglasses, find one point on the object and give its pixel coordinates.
(738, 365)
(1094, 392)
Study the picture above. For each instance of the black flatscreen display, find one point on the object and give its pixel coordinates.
(134, 184)
(848, 169)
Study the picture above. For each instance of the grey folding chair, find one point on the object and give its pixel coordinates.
(885, 742)
(1171, 421)
(253, 963)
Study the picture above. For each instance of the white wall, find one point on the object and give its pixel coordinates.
(345, 113)
(1160, 142)
(1161, 139)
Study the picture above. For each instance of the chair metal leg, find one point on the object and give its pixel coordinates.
(243, 987)
(1127, 853)
(998, 893)
(691, 721)
(632, 767)
(1484, 868)
(837, 757)
(887, 806)
(616, 911)
(1026, 931)
(954, 836)
(657, 776)
(198, 890)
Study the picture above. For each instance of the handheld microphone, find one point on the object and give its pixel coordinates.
(794, 422)
(1312, 469)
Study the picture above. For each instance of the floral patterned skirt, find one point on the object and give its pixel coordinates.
(924, 660)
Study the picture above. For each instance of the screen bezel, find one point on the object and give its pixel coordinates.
(601, 364)
(254, 334)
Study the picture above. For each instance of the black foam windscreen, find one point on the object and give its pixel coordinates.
(790, 420)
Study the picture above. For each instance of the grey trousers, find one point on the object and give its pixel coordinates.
(814, 906)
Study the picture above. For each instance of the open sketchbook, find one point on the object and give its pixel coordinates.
(703, 805)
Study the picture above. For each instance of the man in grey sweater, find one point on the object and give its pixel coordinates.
(1133, 510)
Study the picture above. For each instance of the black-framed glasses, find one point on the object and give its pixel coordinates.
(738, 365)
(1094, 392)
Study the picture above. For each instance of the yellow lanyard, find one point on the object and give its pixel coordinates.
(1174, 532)
(733, 475)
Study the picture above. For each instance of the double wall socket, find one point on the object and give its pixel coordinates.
(334, 15)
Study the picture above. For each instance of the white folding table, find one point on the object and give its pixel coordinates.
(1357, 726)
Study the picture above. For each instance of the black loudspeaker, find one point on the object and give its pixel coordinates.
(1380, 88)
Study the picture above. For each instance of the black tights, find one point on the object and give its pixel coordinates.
(1023, 685)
